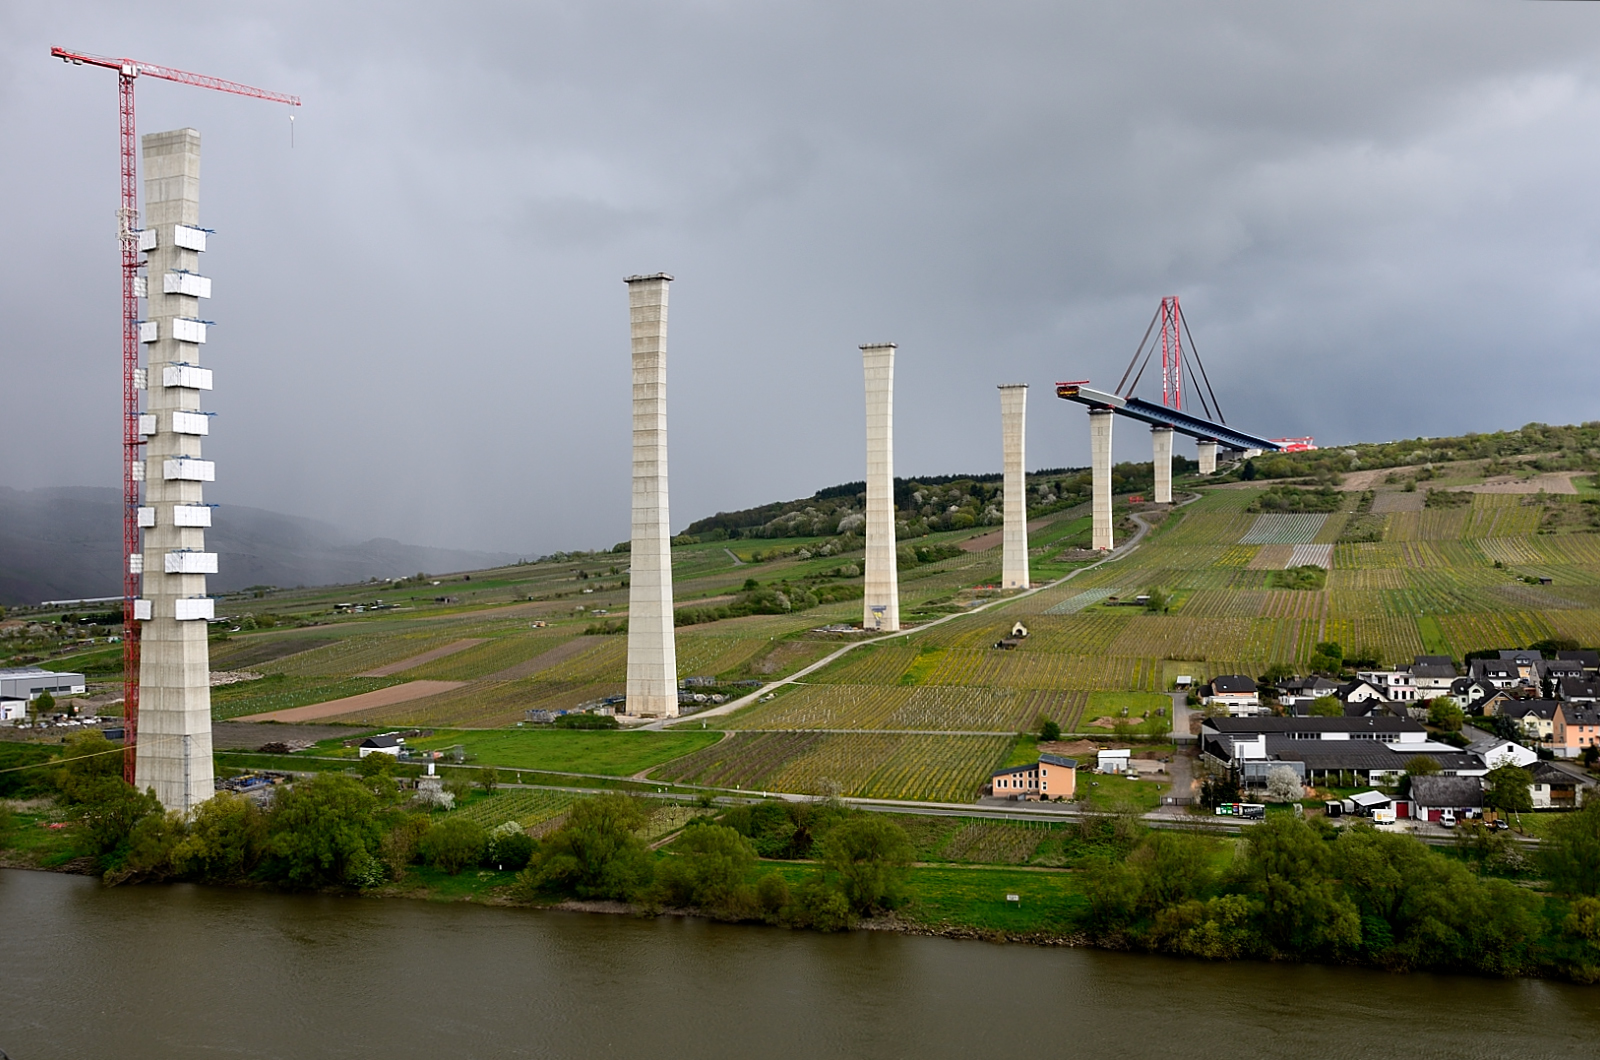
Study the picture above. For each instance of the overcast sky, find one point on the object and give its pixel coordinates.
(1381, 219)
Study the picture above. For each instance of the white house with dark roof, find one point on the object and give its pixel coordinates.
(1432, 675)
(1236, 692)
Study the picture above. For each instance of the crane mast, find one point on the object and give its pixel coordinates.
(128, 70)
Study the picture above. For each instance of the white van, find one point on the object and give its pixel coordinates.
(1447, 818)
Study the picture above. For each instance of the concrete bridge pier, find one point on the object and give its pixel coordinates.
(1208, 456)
(1014, 546)
(880, 604)
(1100, 465)
(1161, 444)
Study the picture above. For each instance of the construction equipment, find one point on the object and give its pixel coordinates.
(128, 70)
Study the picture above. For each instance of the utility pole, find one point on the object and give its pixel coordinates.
(128, 235)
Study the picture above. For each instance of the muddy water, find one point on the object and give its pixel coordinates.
(187, 972)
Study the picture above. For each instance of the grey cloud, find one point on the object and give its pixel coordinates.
(1367, 208)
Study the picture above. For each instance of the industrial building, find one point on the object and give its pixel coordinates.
(27, 682)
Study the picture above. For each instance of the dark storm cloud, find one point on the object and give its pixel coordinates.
(1377, 216)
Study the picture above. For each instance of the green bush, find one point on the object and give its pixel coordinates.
(453, 844)
(323, 832)
(867, 857)
(710, 870)
(596, 854)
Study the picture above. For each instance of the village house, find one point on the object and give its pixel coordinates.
(1535, 717)
(386, 744)
(1051, 777)
(1235, 692)
(1579, 690)
(1432, 675)
(1432, 796)
(1298, 693)
(1394, 685)
(1588, 658)
(1576, 728)
(1497, 752)
(1558, 787)
(1498, 673)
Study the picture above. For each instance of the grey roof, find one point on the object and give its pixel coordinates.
(1006, 772)
(1522, 655)
(1059, 760)
(1369, 799)
(1432, 660)
(1447, 792)
(1521, 708)
(1589, 658)
(1576, 715)
(1233, 683)
(1548, 772)
(1578, 688)
(1361, 754)
(1433, 669)
(381, 741)
(1273, 724)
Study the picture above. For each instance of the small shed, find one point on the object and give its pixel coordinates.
(1114, 761)
(1365, 802)
(13, 709)
(1018, 631)
(387, 744)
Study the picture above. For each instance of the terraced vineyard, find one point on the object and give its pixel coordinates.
(870, 765)
(527, 807)
(933, 708)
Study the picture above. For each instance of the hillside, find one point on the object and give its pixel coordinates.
(1390, 561)
(59, 544)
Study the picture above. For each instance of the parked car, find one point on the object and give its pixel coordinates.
(1447, 819)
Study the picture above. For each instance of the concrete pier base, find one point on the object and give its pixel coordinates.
(880, 606)
(173, 751)
(1161, 447)
(1249, 454)
(1100, 466)
(1013, 439)
(652, 686)
(1207, 452)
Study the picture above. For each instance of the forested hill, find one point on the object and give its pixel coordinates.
(955, 502)
(924, 505)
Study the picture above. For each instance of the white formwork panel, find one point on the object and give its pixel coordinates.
(141, 610)
(147, 239)
(138, 471)
(186, 375)
(189, 238)
(147, 516)
(183, 561)
(189, 283)
(149, 331)
(191, 423)
(141, 287)
(188, 329)
(141, 379)
(194, 608)
(147, 423)
(187, 469)
(135, 563)
(191, 515)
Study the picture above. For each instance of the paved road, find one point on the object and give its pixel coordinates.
(744, 701)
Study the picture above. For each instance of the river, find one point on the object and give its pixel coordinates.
(180, 972)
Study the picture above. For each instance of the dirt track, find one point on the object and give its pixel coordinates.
(383, 697)
(426, 657)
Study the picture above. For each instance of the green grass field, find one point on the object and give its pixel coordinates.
(607, 753)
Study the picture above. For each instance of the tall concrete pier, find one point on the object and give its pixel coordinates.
(652, 690)
(1161, 446)
(1206, 450)
(1013, 439)
(173, 754)
(880, 607)
(1100, 474)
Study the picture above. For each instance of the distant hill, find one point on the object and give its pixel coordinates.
(61, 544)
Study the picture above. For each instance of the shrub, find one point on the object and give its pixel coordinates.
(710, 871)
(225, 841)
(323, 832)
(869, 856)
(595, 854)
(453, 844)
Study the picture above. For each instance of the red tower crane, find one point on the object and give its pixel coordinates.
(128, 234)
